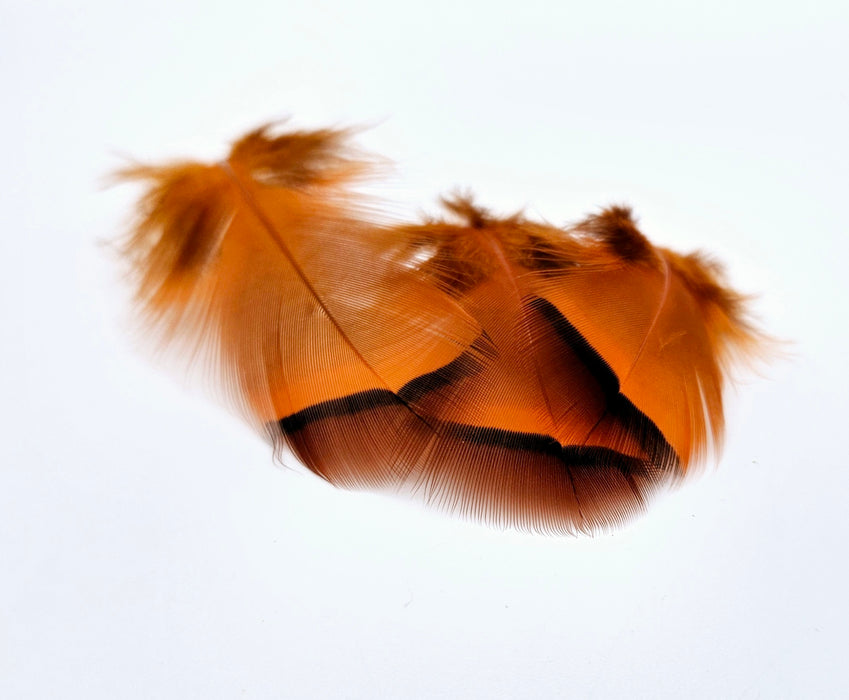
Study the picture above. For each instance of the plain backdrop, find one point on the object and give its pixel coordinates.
(149, 547)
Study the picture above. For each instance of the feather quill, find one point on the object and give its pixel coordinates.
(513, 372)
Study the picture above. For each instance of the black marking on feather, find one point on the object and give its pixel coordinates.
(463, 366)
(346, 406)
(660, 453)
(587, 354)
(618, 405)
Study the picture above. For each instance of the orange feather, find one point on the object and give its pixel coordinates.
(514, 372)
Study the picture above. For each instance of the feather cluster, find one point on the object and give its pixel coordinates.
(509, 371)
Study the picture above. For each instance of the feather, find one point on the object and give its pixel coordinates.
(513, 372)
(258, 264)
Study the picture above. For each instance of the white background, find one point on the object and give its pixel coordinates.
(150, 549)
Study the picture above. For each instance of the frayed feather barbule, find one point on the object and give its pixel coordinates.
(509, 371)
